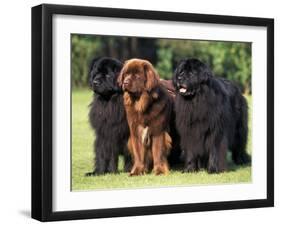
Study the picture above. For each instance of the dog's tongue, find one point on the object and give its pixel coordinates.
(182, 90)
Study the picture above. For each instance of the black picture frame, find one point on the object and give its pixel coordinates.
(42, 111)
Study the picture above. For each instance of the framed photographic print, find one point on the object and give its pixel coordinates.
(146, 112)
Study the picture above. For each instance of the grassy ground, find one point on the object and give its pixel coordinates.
(82, 159)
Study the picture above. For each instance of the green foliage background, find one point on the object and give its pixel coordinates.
(231, 60)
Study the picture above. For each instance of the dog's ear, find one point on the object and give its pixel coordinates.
(92, 65)
(199, 68)
(179, 68)
(117, 66)
(117, 72)
(174, 78)
(152, 77)
(120, 77)
(205, 73)
(93, 62)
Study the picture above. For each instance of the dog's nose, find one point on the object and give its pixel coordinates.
(96, 82)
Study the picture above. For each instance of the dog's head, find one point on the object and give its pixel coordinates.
(138, 76)
(189, 75)
(103, 75)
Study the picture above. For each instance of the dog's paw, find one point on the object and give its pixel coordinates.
(215, 169)
(242, 159)
(94, 173)
(190, 167)
(90, 174)
(161, 169)
(137, 170)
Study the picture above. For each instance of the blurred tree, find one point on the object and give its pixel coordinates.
(82, 51)
(227, 59)
(164, 65)
(231, 60)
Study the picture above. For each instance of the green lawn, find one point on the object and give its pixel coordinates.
(82, 159)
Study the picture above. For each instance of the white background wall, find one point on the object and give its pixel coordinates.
(15, 119)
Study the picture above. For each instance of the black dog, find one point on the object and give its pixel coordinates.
(211, 116)
(107, 116)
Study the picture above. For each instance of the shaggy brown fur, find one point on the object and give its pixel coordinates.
(148, 109)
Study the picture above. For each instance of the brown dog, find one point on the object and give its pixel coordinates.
(148, 109)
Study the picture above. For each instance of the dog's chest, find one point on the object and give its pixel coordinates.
(191, 111)
(108, 112)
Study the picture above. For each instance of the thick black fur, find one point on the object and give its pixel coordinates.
(174, 158)
(107, 116)
(211, 117)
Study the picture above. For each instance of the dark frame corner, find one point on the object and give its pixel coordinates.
(42, 111)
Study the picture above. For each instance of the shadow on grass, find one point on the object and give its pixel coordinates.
(233, 167)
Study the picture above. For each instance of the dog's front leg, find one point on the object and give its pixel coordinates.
(138, 156)
(160, 164)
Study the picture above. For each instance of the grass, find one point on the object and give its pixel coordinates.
(82, 159)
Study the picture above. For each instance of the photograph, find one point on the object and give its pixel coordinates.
(141, 112)
(159, 112)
